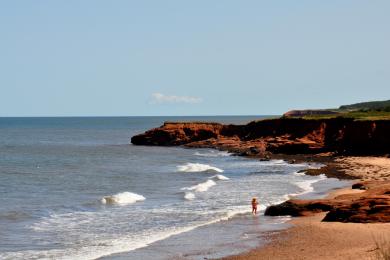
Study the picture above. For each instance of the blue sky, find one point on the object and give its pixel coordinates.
(125, 58)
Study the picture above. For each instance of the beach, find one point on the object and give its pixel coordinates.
(312, 238)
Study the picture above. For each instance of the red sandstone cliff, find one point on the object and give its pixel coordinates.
(285, 135)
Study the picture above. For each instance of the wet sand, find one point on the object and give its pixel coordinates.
(312, 239)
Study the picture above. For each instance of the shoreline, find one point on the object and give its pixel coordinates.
(264, 226)
(345, 146)
(311, 238)
(295, 239)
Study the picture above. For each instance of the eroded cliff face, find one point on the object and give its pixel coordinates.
(172, 134)
(287, 136)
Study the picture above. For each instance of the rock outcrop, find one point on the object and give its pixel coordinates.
(172, 134)
(371, 205)
(342, 136)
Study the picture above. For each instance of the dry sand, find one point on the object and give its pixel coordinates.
(309, 238)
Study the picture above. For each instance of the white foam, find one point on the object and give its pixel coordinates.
(102, 248)
(277, 161)
(105, 247)
(262, 207)
(213, 154)
(220, 177)
(299, 173)
(122, 198)
(280, 219)
(307, 185)
(197, 167)
(272, 162)
(189, 196)
(201, 187)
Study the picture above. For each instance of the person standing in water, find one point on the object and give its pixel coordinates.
(254, 206)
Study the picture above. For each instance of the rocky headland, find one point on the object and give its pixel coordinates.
(332, 141)
(339, 136)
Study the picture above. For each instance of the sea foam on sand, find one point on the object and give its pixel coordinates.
(307, 185)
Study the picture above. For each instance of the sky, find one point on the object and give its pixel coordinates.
(222, 57)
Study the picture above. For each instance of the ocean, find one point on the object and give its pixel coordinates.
(75, 188)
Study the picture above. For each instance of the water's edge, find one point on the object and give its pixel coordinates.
(250, 232)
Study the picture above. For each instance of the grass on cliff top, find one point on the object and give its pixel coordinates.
(357, 115)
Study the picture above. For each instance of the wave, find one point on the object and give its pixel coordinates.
(189, 196)
(197, 167)
(201, 187)
(220, 177)
(307, 185)
(122, 198)
(123, 243)
(299, 173)
(213, 154)
(273, 162)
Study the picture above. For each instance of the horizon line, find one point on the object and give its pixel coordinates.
(84, 116)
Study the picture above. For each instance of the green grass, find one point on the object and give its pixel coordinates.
(367, 105)
(357, 115)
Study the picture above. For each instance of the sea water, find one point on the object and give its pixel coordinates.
(75, 188)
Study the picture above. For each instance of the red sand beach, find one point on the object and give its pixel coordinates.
(312, 238)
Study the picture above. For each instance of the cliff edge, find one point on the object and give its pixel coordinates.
(341, 136)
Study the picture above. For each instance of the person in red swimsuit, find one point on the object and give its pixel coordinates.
(254, 206)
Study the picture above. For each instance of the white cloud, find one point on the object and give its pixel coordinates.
(159, 98)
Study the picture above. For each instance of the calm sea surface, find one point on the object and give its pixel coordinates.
(74, 188)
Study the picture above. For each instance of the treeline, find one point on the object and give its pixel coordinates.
(379, 109)
(368, 106)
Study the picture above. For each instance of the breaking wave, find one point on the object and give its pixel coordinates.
(220, 177)
(213, 154)
(201, 187)
(299, 173)
(106, 247)
(189, 196)
(122, 198)
(307, 185)
(197, 167)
